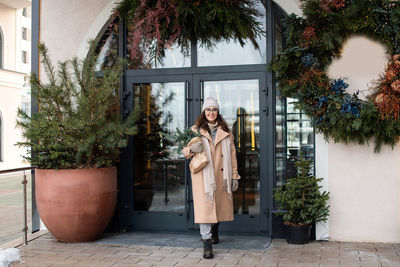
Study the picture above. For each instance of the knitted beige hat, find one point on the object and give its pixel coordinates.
(210, 102)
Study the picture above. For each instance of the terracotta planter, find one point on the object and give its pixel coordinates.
(76, 205)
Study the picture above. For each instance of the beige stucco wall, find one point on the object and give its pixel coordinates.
(10, 99)
(364, 186)
(365, 193)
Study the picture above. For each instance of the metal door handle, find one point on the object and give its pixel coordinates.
(201, 92)
(187, 103)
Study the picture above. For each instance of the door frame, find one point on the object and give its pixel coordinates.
(136, 220)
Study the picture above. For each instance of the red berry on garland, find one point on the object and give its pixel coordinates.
(328, 4)
(379, 99)
(309, 33)
(396, 86)
(390, 74)
(396, 59)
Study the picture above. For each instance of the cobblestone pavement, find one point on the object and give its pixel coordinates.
(46, 251)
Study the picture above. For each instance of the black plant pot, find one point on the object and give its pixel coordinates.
(298, 234)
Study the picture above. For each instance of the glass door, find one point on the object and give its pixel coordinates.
(161, 185)
(242, 101)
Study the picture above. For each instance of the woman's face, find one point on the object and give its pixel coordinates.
(211, 114)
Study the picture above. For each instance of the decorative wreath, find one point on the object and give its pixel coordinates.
(313, 41)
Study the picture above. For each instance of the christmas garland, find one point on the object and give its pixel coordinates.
(154, 25)
(313, 41)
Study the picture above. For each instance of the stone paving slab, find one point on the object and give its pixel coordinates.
(46, 251)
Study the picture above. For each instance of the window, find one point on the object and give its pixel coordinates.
(294, 136)
(24, 33)
(25, 57)
(224, 54)
(107, 47)
(25, 12)
(231, 53)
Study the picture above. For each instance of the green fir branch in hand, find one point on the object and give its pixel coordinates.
(182, 138)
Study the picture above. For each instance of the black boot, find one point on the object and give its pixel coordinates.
(214, 233)
(208, 254)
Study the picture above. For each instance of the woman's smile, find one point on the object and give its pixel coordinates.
(211, 114)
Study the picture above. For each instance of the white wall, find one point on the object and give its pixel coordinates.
(8, 24)
(66, 26)
(365, 193)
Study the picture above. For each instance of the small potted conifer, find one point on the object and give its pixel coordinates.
(301, 203)
(75, 140)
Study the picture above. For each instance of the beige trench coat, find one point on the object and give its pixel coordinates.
(221, 209)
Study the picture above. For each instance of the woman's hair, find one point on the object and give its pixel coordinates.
(202, 122)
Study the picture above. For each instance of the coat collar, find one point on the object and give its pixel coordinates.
(205, 133)
(221, 134)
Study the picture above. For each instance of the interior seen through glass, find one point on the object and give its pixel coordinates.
(159, 180)
(239, 106)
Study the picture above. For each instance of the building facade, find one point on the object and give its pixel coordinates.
(154, 182)
(15, 50)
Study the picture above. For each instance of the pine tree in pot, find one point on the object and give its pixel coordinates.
(75, 140)
(302, 203)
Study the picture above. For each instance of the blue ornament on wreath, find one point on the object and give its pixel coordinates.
(350, 106)
(309, 61)
(338, 86)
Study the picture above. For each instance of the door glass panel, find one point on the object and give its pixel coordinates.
(238, 100)
(174, 58)
(159, 178)
(232, 53)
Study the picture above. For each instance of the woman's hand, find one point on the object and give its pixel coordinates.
(197, 147)
(235, 185)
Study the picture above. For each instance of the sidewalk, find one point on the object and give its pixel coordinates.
(46, 251)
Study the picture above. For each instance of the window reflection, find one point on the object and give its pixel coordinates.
(232, 53)
(107, 49)
(294, 133)
(159, 179)
(294, 138)
(239, 106)
(174, 58)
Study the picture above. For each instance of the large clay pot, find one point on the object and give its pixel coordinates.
(76, 205)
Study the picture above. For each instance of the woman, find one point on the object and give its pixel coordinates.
(212, 186)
